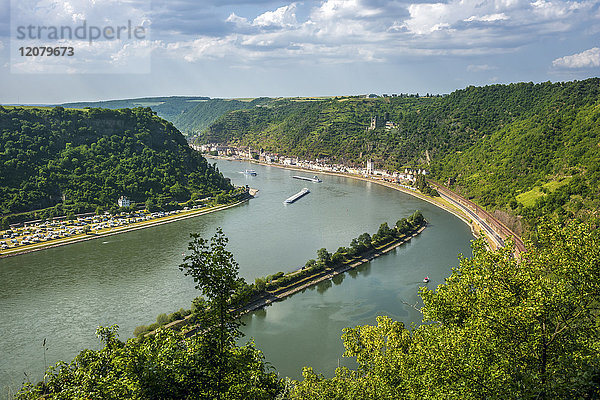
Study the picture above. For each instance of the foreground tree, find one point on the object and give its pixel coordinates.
(162, 366)
(169, 365)
(498, 328)
(215, 272)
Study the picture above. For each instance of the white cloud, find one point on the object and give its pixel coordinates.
(358, 30)
(237, 20)
(480, 67)
(431, 17)
(332, 25)
(338, 9)
(586, 59)
(488, 18)
(426, 18)
(560, 9)
(72, 12)
(282, 17)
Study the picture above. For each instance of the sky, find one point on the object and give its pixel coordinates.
(238, 48)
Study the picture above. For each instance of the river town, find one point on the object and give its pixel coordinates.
(408, 177)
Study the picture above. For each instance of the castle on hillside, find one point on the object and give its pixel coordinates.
(379, 122)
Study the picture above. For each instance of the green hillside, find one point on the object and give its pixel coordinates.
(542, 164)
(199, 117)
(77, 161)
(495, 143)
(333, 127)
(190, 114)
(168, 108)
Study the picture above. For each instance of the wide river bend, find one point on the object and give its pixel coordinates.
(63, 294)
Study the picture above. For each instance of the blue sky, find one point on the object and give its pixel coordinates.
(237, 48)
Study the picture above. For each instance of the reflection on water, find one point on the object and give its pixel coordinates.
(338, 279)
(364, 270)
(323, 286)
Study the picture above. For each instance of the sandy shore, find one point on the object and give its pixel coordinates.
(118, 230)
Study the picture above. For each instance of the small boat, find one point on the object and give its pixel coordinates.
(250, 172)
(426, 279)
(306, 178)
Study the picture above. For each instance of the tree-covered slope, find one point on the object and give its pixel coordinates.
(189, 114)
(84, 159)
(199, 117)
(317, 128)
(494, 143)
(545, 163)
(441, 125)
(165, 107)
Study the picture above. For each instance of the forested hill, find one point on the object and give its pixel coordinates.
(547, 162)
(199, 117)
(189, 114)
(509, 146)
(168, 108)
(80, 160)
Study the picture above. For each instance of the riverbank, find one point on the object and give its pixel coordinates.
(117, 230)
(476, 229)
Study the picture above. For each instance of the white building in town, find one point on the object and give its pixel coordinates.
(123, 202)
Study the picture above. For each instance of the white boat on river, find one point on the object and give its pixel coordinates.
(297, 196)
(306, 178)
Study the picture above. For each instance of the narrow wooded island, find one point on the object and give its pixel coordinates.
(279, 286)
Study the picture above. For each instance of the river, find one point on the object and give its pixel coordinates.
(63, 294)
